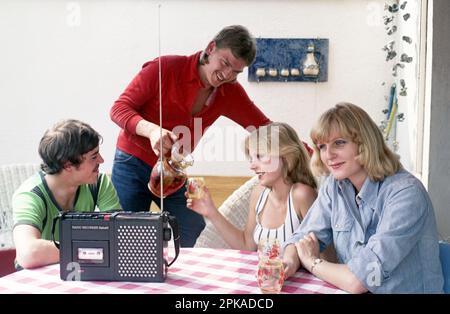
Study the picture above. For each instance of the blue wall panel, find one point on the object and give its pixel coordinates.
(278, 54)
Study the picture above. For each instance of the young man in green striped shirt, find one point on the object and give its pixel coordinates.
(69, 181)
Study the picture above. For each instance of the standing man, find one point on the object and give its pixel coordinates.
(69, 181)
(200, 87)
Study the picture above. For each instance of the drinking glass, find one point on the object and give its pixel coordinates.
(270, 274)
(194, 187)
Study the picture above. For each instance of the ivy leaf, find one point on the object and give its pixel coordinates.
(391, 55)
(407, 39)
(393, 8)
(392, 30)
(388, 19)
(405, 58)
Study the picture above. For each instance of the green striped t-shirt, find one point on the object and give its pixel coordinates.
(30, 209)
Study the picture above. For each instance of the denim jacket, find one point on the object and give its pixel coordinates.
(386, 234)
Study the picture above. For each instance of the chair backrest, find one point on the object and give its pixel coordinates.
(235, 210)
(11, 177)
(444, 254)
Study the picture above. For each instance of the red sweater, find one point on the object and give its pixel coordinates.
(180, 84)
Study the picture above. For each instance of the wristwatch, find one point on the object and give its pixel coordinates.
(315, 262)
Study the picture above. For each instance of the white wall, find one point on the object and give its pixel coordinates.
(62, 59)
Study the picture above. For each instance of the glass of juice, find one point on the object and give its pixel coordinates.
(270, 273)
(194, 187)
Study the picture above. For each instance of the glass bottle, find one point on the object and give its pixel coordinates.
(174, 173)
(310, 65)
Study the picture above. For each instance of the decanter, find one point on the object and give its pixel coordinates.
(174, 173)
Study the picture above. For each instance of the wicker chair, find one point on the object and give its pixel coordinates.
(11, 177)
(235, 210)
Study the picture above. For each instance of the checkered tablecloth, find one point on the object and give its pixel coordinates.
(197, 271)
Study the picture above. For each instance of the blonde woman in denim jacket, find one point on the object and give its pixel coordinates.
(378, 215)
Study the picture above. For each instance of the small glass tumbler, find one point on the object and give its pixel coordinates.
(270, 273)
(194, 187)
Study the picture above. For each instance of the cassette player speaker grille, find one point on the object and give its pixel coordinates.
(137, 247)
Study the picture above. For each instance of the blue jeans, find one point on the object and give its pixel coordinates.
(130, 177)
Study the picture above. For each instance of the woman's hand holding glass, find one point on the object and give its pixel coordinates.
(203, 205)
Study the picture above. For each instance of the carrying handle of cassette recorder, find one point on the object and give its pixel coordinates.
(53, 230)
(176, 235)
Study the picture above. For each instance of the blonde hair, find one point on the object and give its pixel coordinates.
(279, 139)
(353, 123)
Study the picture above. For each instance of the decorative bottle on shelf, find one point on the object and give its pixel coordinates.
(310, 66)
(174, 173)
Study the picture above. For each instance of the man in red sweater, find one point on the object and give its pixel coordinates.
(198, 88)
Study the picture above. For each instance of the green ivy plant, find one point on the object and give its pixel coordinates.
(395, 13)
(395, 10)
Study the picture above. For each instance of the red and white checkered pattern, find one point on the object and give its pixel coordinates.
(198, 270)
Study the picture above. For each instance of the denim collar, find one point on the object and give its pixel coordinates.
(368, 193)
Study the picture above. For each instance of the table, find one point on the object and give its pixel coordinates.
(197, 271)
